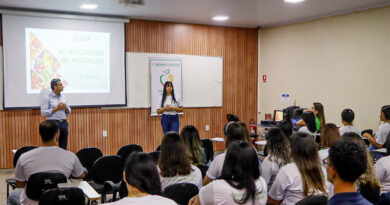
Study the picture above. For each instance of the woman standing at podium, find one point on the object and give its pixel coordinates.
(169, 106)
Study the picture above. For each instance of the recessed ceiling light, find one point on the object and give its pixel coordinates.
(220, 18)
(293, 1)
(88, 6)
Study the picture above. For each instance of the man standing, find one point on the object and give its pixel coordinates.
(55, 107)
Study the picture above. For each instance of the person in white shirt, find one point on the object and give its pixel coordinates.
(329, 135)
(173, 165)
(240, 181)
(382, 169)
(169, 105)
(48, 158)
(383, 131)
(233, 132)
(347, 117)
(142, 182)
(278, 147)
(310, 122)
(302, 178)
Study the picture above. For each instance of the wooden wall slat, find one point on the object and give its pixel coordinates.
(237, 46)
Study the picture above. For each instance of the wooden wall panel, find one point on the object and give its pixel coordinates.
(237, 46)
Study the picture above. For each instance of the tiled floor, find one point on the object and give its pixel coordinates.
(4, 174)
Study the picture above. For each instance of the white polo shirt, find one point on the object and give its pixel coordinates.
(348, 128)
(381, 134)
(195, 177)
(382, 172)
(170, 103)
(149, 200)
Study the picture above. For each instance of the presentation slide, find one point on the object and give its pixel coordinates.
(80, 58)
(88, 56)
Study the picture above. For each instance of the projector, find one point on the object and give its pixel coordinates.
(132, 2)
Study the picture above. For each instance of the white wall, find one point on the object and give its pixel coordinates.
(341, 61)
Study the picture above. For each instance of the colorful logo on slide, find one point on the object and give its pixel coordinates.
(166, 76)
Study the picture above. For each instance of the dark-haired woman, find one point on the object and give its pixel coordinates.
(240, 181)
(347, 117)
(383, 131)
(234, 132)
(174, 165)
(169, 106)
(318, 110)
(310, 124)
(278, 148)
(329, 136)
(194, 149)
(287, 127)
(302, 178)
(142, 181)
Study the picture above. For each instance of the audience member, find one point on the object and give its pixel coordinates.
(278, 155)
(329, 135)
(195, 152)
(240, 181)
(382, 169)
(174, 165)
(347, 161)
(383, 131)
(287, 127)
(347, 117)
(142, 181)
(302, 178)
(310, 124)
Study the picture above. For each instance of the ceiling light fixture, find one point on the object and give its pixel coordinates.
(220, 18)
(294, 1)
(88, 6)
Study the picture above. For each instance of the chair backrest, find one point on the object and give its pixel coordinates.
(232, 117)
(209, 150)
(126, 150)
(384, 199)
(313, 200)
(63, 196)
(107, 168)
(158, 148)
(20, 151)
(87, 157)
(203, 168)
(123, 192)
(181, 193)
(39, 182)
(155, 155)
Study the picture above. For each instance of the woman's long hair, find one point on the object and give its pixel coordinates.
(173, 159)
(190, 137)
(320, 113)
(165, 93)
(368, 178)
(310, 121)
(141, 172)
(234, 132)
(245, 129)
(241, 169)
(278, 147)
(286, 127)
(305, 155)
(330, 134)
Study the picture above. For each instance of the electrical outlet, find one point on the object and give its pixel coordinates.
(207, 128)
(104, 133)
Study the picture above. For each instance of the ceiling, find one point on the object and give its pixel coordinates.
(242, 13)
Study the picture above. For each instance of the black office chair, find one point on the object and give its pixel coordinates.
(384, 199)
(126, 150)
(203, 168)
(106, 168)
(155, 155)
(12, 181)
(313, 200)
(158, 148)
(40, 182)
(181, 193)
(63, 196)
(87, 157)
(209, 150)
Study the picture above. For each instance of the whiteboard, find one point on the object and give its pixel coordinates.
(201, 80)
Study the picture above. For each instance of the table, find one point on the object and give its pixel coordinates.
(89, 192)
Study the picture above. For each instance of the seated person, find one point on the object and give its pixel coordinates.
(194, 149)
(347, 117)
(318, 110)
(233, 132)
(382, 169)
(329, 135)
(48, 158)
(303, 177)
(173, 165)
(142, 181)
(383, 131)
(310, 124)
(240, 181)
(346, 162)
